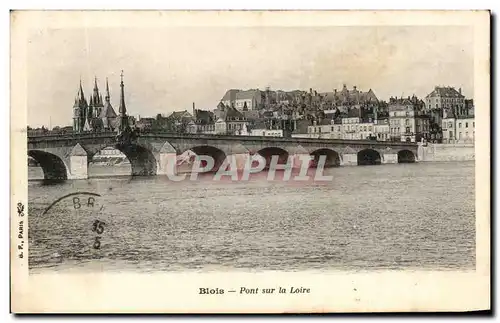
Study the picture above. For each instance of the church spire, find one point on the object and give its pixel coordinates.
(124, 126)
(122, 109)
(96, 96)
(82, 96)
(107, 97)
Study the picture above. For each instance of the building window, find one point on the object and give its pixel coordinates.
(407, 121)
(407, 129)
(466, 125)
(332, 129)
(450, 125)
(467, 134)
(364, 128)
(473, 124)
(460, 125)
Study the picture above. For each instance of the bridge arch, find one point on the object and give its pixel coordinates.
(109, 161)
(141, 157)
(217, 154)
(406, 156)
(268, 152)
(369, 157)
(142, 160)
(332, 157)
(52, 165)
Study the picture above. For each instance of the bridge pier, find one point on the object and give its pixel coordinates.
(299, 159)
(166, 160)
(78, 163)
(166, 164)
(389, 158)
(241, 160)
(349, 160)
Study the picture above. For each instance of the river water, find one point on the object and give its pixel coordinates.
(402, 216)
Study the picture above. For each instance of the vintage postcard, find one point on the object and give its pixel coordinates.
(250, 161)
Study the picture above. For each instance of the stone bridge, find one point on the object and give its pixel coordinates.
(67, 156)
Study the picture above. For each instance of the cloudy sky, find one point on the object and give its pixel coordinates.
(168, 68)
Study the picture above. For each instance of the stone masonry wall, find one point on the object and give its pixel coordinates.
(446, 152)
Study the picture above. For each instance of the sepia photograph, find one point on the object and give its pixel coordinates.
(221, 150)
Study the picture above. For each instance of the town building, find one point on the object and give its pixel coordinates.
(444, 102)
(178, 121)
(459, 130)
(145, 124)
(203, 122)
(266, 132)
(321, 129)
(469, 107)
(408, 120)
(352, 128)
(345, 99)
(357, 129)
(243, 100)
(109, 152)
(466, 129)
(449, 131)
(231, 122)
(381, 130)
(446, 98)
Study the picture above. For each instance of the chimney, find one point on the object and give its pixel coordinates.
(460, 90)
(194, 111)
(354, 87)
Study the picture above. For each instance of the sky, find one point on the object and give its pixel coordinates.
(166, 69)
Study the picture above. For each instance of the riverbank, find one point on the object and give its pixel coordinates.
(446, 152)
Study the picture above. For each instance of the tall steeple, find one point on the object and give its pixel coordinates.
(107, 97)
(82, 96)
(122, 110)
(79, 109)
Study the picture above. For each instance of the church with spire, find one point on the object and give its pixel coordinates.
(96, 114)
